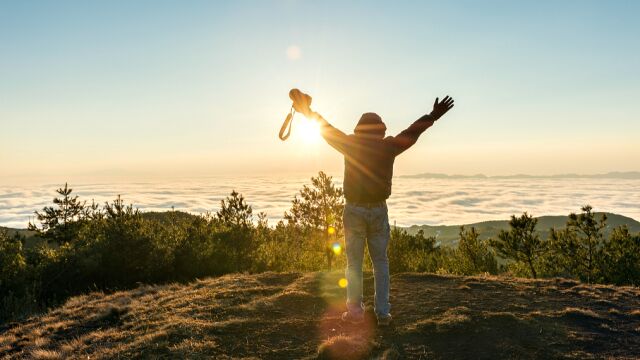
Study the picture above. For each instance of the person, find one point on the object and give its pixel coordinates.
(368, 169)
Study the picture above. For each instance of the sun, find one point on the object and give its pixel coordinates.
(308, 131)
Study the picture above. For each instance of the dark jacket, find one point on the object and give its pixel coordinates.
(368, 158)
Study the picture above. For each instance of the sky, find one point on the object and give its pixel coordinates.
(133, 89)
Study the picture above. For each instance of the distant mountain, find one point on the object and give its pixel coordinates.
(23, 232)
(166, 217)
(633, 175)
(447, 235)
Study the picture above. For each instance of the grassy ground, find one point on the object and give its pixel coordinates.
(291, 316)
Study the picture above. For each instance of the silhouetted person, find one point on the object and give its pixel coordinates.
(368, 169)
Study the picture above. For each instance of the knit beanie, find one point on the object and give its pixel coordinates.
(370, 123)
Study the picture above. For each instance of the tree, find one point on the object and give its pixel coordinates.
(12, 260)
(235, 211)
(411, 252)
(120, 248)
(521, 243)
(60, 224)
(318, 209)
(621, 258)
(236, 219)
(579, 246)
(473, 255)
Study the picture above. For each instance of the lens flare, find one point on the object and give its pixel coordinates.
(331, 230)
(294, 52)
(337, 248)
(342, 283)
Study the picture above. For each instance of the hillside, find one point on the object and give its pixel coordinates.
(29, 235)
(447, 235)
(292, 315)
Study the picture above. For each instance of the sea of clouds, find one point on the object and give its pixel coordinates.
(414, 200)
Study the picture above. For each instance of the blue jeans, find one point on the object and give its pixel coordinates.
(371, 226)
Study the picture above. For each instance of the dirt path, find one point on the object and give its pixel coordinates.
(288, 316)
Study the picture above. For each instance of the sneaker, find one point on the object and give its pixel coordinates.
(353, 319)
(384, 320)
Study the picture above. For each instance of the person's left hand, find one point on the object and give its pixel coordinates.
(441, 108)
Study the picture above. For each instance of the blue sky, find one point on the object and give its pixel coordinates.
(167, 88)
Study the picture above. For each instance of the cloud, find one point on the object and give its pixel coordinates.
(414, 200)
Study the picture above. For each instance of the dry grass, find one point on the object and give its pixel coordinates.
(291, 315)
(344, 348)
(45, 354)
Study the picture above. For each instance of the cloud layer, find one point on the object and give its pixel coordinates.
(414, 200)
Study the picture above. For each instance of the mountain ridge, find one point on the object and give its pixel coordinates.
(447, 235)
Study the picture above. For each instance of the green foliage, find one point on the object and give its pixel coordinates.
(578, 249)
(521, 243)
(318, 206)
(12, 260)
(317, 209)
(235, 212)
(122, 248)
(237, 229)
(198, 248)
(60, 223)
(412, 252)
(621, 258)
(289, 247)
(473, 256)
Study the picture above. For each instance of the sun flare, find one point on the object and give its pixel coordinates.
(308, 131)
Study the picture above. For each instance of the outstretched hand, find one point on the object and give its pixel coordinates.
(441, 108)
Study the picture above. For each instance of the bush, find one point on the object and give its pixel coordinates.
(412, 252)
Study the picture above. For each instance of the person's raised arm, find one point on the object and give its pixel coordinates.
(333, 136)
(410, 135)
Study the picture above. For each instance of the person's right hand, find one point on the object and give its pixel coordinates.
(441, 108)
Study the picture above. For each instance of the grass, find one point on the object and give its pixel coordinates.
(295, 315)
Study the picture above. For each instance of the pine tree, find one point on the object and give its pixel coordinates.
(236, 219)
(59, 224)
(318, 208)
(521, 243)
(235, 211)
(473, 255)
(621, 257)
(579, 246)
